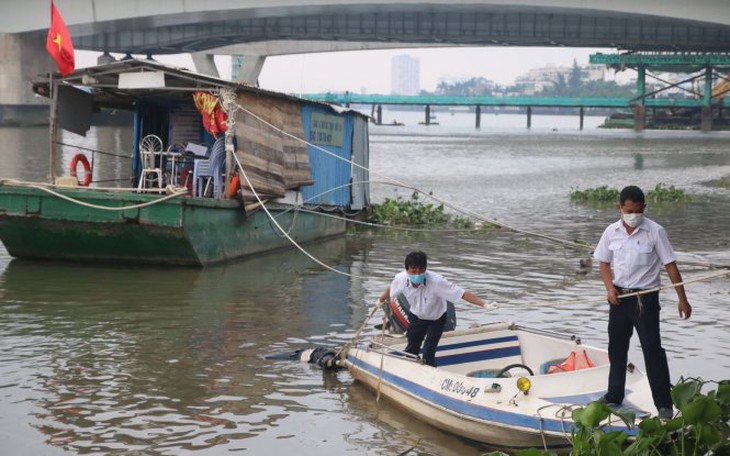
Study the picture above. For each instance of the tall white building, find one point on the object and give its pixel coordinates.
(405, 75)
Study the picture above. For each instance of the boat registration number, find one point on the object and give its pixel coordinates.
(453, 386)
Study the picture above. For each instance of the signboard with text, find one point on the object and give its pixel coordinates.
(327, 130)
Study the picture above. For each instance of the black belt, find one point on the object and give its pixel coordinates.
(622, 290)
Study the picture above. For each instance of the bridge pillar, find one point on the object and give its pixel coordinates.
(105, 58)
(640, 109)
(23, 59)
(639, 117)
(205, 63)
(479, 116)
(529, 117)
(582, 115)
(247, 68)
(706, 113)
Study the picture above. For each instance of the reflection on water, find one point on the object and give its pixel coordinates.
(99, 360)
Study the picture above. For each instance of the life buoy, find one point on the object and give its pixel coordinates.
(87, 169)
(234, 187)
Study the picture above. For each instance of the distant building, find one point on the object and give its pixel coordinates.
(537, 79)
(405, 75)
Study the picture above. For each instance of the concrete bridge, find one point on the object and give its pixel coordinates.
(256, 28)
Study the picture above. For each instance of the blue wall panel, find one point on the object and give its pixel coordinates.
(331, 175)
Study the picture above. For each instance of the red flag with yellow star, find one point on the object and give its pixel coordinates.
(59, 43)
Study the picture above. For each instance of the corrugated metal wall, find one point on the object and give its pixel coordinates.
(322, 127)
(360, 156)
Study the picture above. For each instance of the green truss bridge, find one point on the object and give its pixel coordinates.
(528, 102)
(703, 69)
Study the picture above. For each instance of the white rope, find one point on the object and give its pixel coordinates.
(404, 185)
(231, 103)
(293, 242)
(345, 348)
(175, 193)
(627, 295)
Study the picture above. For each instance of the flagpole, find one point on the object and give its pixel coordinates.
(53, 131)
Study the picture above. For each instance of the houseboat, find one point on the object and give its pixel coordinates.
(220, 170)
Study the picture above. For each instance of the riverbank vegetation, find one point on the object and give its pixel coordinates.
(702, 426)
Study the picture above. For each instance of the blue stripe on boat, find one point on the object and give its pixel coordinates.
(477, 356)
(476, 343)
(468, 409)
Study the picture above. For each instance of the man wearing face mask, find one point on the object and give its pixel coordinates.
(427, 293)
(636, 248)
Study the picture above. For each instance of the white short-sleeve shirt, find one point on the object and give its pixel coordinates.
(428, 301)
(636, 258)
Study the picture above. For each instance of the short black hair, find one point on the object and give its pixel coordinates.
(632, 193)
(416, 259)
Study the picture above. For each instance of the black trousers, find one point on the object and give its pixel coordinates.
(622, 320)
(431, 330)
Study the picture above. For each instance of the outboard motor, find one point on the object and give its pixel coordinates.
(397, 313)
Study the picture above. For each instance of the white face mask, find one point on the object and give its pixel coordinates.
(633, 220)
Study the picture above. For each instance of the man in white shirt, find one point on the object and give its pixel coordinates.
(636, 248)
(427, 293)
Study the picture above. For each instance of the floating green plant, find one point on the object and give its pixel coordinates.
(413, 211)
(659, 194)
(603, 193)
(662, 194)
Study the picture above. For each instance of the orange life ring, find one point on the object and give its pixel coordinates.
(234, 187)
(87, 169)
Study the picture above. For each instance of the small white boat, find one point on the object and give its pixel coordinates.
(474, 391)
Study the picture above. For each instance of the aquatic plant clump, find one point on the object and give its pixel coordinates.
(413, 211)
(659, 194)
(662, 194)
(603, 193)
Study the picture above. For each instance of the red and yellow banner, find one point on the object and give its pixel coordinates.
(215, 119)
(59, 44)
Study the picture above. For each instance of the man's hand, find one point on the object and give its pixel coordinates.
(612, 296)
(685, 310)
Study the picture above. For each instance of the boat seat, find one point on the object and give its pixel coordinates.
(498, 350)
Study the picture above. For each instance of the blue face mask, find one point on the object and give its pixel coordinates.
(417, 279)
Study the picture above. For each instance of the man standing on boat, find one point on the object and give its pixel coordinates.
(427, 293)
(636, 248)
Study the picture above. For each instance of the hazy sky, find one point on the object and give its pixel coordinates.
(355, 70)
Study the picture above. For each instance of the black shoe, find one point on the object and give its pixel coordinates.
(609, 404)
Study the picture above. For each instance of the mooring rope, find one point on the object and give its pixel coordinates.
(232, 102)
(345, 348)
(174, 193)
(284, 232)
(627, 295)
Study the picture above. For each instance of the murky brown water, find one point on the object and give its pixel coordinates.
(161, 361)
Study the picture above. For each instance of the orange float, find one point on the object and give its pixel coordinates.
(234, 187)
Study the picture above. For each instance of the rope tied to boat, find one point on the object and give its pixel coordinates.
(626, 295)
(173, 192)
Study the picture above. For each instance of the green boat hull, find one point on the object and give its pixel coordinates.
(179, 231)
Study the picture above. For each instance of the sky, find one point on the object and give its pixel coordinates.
(369, 70)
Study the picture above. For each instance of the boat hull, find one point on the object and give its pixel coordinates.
(492, 410)
(180, 231)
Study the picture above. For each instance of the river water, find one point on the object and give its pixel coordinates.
(165, 361)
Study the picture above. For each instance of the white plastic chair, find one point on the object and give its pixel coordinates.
(151, 176)
(210, 172)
